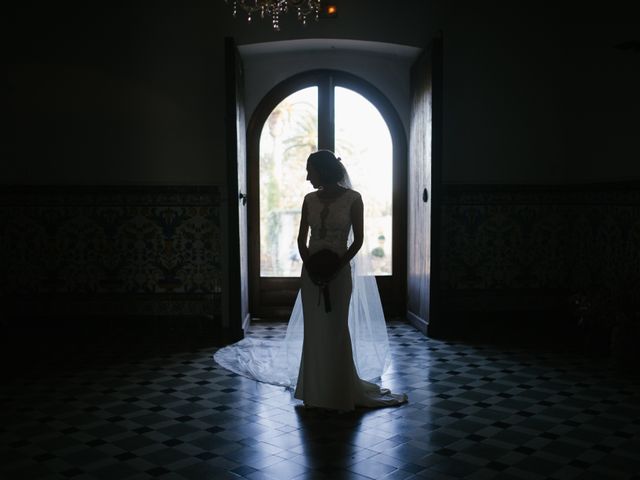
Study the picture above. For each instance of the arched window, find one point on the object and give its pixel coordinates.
(339, 112)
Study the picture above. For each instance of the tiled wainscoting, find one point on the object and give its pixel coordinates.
(527, 249)
(110, 252)
(514, 253)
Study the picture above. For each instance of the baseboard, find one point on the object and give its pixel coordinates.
(419, 323)
(246, 322)
(98, 329)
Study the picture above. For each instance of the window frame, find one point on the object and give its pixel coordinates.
(273, 297)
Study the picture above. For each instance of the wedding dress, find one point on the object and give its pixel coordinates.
(330, 358)
(327, 375)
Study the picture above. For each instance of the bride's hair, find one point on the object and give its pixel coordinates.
(328, 166)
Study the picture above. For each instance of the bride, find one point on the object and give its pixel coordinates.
(336, 336)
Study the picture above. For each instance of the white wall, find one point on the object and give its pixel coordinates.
(385, 66)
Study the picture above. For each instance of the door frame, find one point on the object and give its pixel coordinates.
(283, 290)
(437, 139)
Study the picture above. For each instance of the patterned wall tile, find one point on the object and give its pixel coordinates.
(510, 239)
(127, 241)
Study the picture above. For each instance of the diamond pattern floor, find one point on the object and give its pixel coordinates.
(474, 412)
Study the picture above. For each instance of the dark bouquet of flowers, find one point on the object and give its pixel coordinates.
(322, 267)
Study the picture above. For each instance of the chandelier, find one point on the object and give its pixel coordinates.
(276, 8)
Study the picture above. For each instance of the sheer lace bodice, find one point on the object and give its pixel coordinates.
(330, 221)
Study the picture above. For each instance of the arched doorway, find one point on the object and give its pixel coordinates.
(341, 112)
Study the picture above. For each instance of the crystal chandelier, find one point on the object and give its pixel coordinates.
(275, 8)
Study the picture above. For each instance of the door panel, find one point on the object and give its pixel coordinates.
(423, 187)
(237, 189)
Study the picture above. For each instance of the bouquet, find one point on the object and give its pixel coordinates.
(323, 267)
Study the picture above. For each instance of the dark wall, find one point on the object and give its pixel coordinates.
(540, 162)
(113, 96)
(533, 95)
(540, 95)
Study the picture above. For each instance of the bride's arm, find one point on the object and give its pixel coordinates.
(303, 234)
(357, 222)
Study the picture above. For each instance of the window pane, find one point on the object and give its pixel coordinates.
(289, 135)
(363, 141)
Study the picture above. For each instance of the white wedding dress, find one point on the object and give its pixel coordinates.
(326, 356)
(327, 377)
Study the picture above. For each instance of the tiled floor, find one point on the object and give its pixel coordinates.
(474, 412)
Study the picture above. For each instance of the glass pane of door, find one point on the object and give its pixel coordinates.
(363, 141)
(289, 135)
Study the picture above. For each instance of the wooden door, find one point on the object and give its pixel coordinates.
(424, 187)
(237, 198)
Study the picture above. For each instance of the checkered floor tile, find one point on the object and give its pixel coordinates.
(474, 412)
